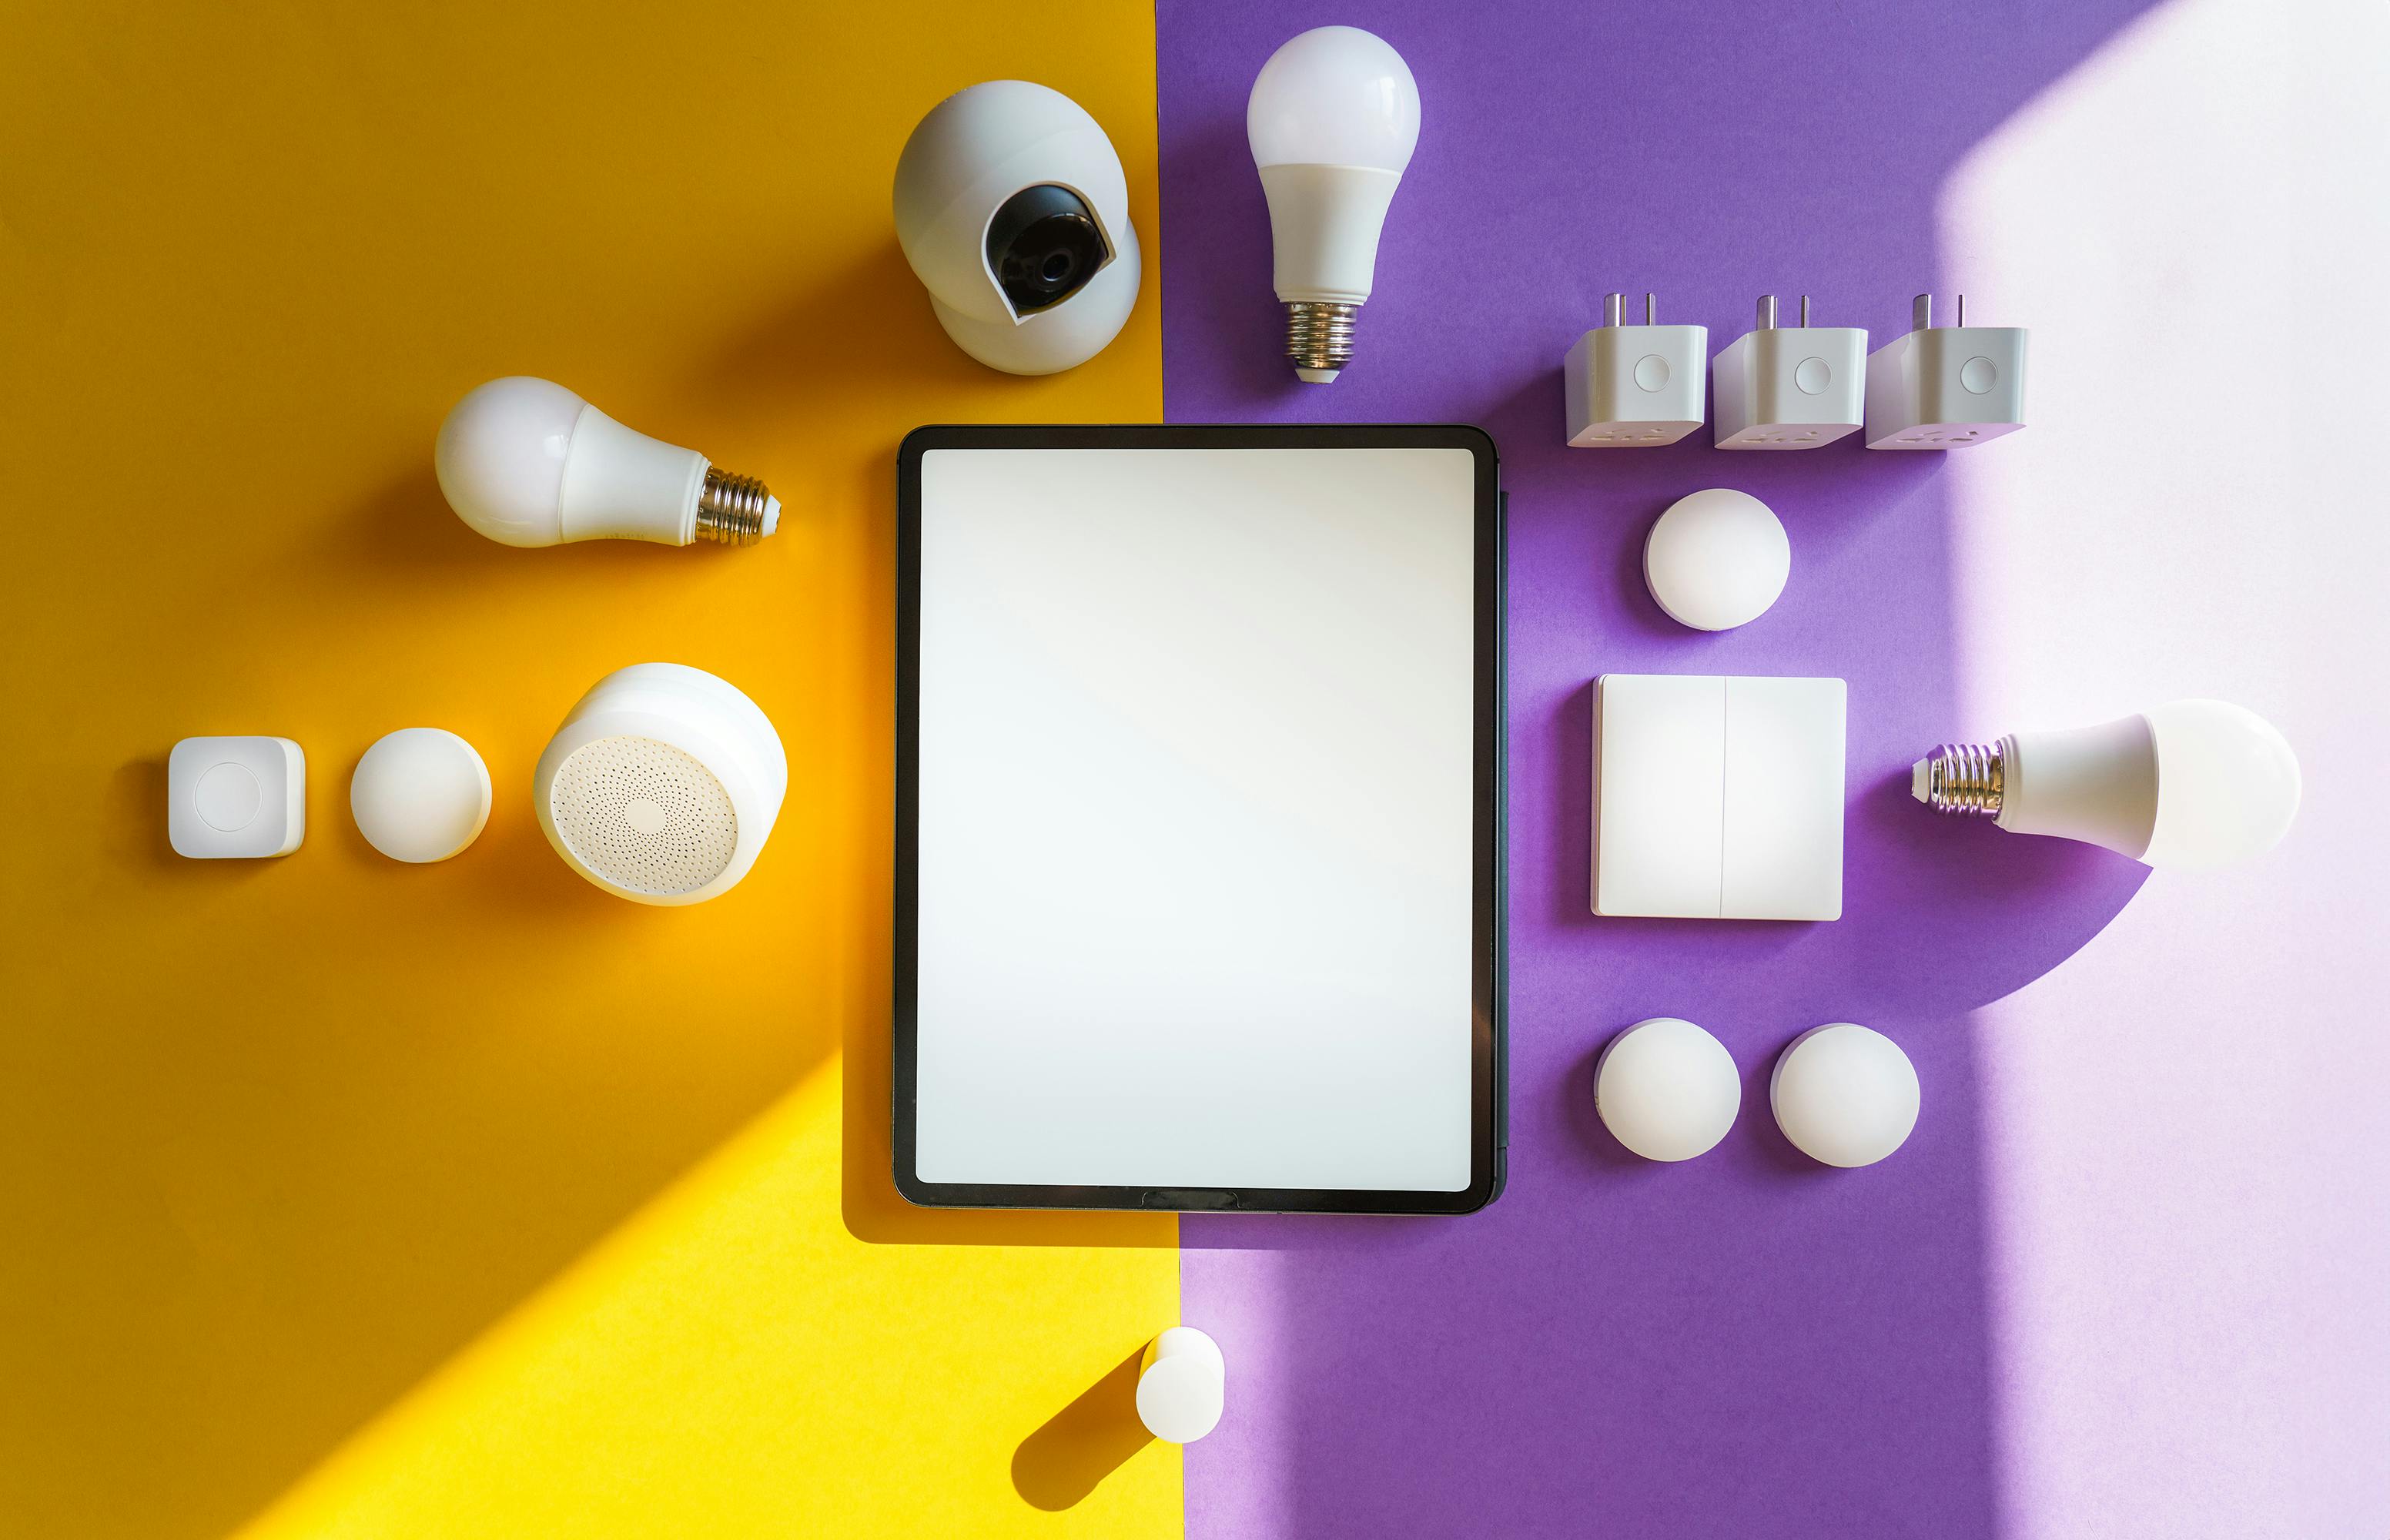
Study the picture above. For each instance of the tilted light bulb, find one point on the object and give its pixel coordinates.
(528, 463)
(1333, 118)
(2189, 785)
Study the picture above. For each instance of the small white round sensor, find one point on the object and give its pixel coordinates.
(1844, 1095)
(1182, 1385)
(1666, 1089)
(1716, 559)
(420, 794)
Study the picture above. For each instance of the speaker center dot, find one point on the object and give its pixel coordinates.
(646, 817)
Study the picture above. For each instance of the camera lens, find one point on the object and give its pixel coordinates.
(1043, 246)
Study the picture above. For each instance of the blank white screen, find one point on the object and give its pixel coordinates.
(1194, 818)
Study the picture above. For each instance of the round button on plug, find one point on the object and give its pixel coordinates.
(1813, 376)
(1979, 375)
(1651, 372)
(228, 798)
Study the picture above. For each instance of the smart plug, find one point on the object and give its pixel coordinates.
(1634, 386)
(1944, 386)
(1789, 387)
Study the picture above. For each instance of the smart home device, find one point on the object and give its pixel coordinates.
(233, 797)
(1666, 1089)
(1634, 386)
(1333, 120)
(1198, 854)
(1012, 209)
(1181, 1385)
(1844, 1095)
(526, 462)
(1944, 386)
(2191, 785)
(1789, 387)
(662, 785)
(420, 794)
(1717, 797)
(1717, 558)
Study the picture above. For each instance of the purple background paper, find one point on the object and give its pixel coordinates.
(1747, 1344)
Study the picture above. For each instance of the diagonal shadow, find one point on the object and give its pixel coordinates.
(1078, 1446)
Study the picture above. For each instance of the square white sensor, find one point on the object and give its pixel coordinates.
(1717, 797)
(236, 797)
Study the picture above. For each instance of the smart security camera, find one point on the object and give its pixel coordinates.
(1013, 210)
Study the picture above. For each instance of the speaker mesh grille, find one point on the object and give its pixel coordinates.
(595, 801)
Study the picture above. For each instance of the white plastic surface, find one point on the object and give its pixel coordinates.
(1844, 1095)
(667, 754)
(2098, 784)
(1945, 388)
(420, 794)
(229, 797)
(1195, 810)
(1718, 798)
(1182, 1386)
(962, 163)
(1789, 388)
(1634, 386)
(526, 462)
(1325, 222)
(1717, 558)
(1666, 1089)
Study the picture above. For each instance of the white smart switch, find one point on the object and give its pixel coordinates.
(236, 797)
(1717, 797)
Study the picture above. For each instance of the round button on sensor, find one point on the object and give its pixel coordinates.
(420, 794)
(1979, 375)
(1651, 372)
(1716, 559)
(228, 798)
(1666, 1089)
(1844, 1094)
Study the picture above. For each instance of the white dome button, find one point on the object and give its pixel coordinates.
(226, 797)
(1182, 1387)
(1651, 372)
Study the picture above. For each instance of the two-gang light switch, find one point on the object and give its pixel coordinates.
(1717, 797)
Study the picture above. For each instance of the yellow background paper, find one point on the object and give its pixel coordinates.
(349, 1197)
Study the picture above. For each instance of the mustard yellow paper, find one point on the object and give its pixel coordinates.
(344, 1197)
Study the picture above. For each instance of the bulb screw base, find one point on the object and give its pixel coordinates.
(732, 509)
(1963, 780)
(1319, 338)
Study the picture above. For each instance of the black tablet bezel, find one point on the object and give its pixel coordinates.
(1488, 1066)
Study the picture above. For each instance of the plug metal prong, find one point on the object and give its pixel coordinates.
(1650, 309)
(1920, 313)
(1805, 310)
(1963, 310)
(1767, 313)
(1613, 310)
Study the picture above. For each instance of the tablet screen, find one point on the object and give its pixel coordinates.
(1193, 821)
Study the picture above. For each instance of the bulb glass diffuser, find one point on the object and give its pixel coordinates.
(528, 463)
(1333, 118)
(2188, 786)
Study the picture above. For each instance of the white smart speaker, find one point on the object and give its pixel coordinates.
(663, 784)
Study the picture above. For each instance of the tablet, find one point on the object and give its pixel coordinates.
(1198, 819)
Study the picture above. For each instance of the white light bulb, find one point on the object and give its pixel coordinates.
(2189, 785)
(1332, 121)
(528, 463)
